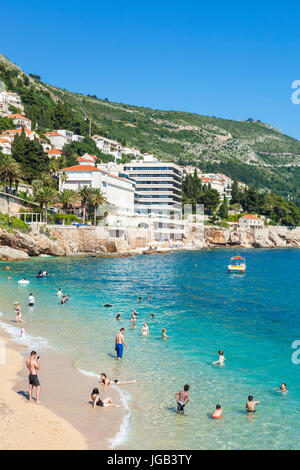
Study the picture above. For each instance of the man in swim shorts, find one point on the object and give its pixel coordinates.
(33, 365)
(120, 343)
(250, 405)
(182, 398)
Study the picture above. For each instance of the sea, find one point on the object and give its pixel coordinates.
(254, 317)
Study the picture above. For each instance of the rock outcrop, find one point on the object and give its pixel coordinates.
(11, 254)
(97, 241)
(32, 245)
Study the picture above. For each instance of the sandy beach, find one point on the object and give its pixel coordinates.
(25, 425)
(52, 425)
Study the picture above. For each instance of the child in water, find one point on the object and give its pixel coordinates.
(217, 414)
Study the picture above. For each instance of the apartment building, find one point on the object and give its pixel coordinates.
(158, 185)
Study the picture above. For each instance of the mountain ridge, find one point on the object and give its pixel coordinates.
(251, 151)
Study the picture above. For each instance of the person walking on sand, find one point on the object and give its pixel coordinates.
(250, 405)
(33, 365)
(120, 343)
(145, 329)
(18, 313)
(182, 399)
(221, 359)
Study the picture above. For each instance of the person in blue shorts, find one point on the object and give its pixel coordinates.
(120, 343)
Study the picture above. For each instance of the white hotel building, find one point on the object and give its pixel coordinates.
(119, 192)
(158, 195)
(158, 185)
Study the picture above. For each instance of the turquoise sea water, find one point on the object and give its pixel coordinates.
(254, 317)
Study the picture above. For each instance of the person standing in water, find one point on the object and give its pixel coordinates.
(221, 359)
(145, 329)
(120, 343)
(31, 300)
(250, 405)
(59, 293)
(182, 399)
(33, 365)
(164, 335)
(18, 313)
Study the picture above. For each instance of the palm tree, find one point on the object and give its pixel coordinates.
(63, 177)
(53, 167)
(84, 195)
(67, 197)
(10, 171)
(96, 199)
(44, 196)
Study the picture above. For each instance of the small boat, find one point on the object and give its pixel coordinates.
(238, 265)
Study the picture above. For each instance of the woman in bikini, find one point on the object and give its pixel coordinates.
(95, 398)
(105, 381)
(18, 313)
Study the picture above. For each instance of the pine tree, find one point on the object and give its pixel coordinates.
(223, 209)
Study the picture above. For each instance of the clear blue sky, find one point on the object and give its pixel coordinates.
(228, 59)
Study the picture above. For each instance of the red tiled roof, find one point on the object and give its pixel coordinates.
(53, 134)
(54, 152)
(16, 131)
(92, 168)
(18, 116)
(93, 156)
(81, 168)
(81, 159)
(251, 216)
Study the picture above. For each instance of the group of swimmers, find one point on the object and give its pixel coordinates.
(182, 397)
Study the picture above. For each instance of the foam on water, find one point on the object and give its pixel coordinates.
(125, 398)
(31, 342)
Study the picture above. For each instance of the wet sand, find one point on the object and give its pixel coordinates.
(64, 420)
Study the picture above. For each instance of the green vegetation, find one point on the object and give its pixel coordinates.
(66, 219)
(272, 206)
(12, 223)
(193, 192)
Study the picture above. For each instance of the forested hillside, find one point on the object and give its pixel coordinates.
(252, 152)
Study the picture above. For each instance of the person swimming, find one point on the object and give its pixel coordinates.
(96, 400)
(250, 405)
(221, 359)
(118, 317)
(218, 413)
(105, 381)
(282, 388)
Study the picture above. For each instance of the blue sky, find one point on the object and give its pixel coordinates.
(226, 59)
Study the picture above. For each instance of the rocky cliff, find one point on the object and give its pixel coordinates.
(70, 241)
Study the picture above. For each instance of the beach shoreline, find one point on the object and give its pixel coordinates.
(64, 420)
